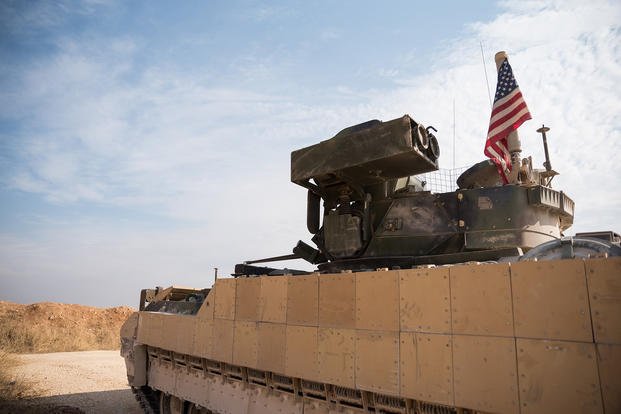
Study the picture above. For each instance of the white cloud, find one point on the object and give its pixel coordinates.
(330, 34)
(263, 13)
(29, 17)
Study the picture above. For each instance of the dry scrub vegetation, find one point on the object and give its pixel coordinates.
(11, 386)
(51, 327)
(57, 327)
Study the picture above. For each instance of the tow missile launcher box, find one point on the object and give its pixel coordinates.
(376, 151)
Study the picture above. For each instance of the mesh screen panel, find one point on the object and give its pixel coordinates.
(443, 180)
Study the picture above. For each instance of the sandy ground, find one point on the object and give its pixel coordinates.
(93, 381)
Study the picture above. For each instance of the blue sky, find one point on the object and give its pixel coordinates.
(144, 144)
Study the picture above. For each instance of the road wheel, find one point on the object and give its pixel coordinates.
(176, 405)
(193, 409)
(164, 403)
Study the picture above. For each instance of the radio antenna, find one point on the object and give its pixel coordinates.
(489, 94)
(454, 127)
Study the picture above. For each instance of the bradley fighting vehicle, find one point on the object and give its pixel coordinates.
(461, 301)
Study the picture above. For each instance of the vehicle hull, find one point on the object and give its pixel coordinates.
(525, 337)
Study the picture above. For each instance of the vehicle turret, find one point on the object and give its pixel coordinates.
(369, 206)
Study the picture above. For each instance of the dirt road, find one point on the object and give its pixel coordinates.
(93, 381)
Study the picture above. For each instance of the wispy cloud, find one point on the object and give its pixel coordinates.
(30, 17)
(265, 12)
(100, 131)
(330, 34)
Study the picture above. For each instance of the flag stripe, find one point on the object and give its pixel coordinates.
(503, 162)
(508, 100)
(524, 115)
(509, 121)
(497, 149)
(508, 107)
(507, 118)
(501, 144)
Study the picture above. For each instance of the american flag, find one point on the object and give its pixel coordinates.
(508, 113)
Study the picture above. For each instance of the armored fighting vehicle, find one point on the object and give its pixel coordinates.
(464, 301)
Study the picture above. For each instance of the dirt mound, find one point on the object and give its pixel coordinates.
(57, 327)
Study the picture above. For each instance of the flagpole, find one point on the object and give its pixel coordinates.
(454, 127)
